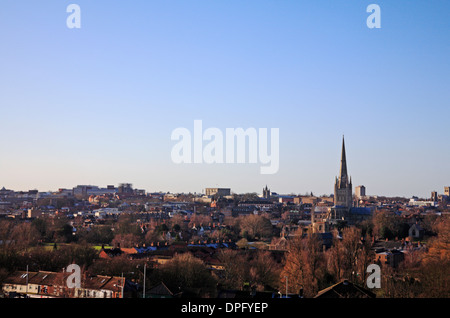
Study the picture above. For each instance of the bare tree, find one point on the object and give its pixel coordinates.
(264, 271)
(303, 265)
(234, 264)
(255, 227)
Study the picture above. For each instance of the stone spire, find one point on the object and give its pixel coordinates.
(343, 185)
(343, 178)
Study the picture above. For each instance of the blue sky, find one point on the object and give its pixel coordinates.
(97, 105)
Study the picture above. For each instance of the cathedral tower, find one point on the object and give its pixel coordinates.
(266, 193)
(343, 185)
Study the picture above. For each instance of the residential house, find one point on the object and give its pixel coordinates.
(389, 257)
(48, 285)
(101, 287)
(36, 284)
(161, 291)
(54, 285)
(16, 284)
(345, 289)
(416, 231)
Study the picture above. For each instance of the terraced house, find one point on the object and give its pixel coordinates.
(53, 285)
(36, 284)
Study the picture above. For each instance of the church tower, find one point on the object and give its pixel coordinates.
(266, 192)
(343, 185)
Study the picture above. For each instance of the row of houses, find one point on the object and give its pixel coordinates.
(43, 284)
(207, 251)
(50, 285)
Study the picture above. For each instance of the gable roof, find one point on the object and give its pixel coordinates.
(417, 227)
(345, 289)
(48, 278)
(19, 277)
(114, 283)
(95, 282)
(160, 289)
(37, 278)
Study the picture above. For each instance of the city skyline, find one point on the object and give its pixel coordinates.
(97, 105)
(342, 181)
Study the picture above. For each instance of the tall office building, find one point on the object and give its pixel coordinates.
(360, 191)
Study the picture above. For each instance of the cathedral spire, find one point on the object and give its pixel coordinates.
(342, 187)
(343, 171)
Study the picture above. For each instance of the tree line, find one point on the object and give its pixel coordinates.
(305, 265)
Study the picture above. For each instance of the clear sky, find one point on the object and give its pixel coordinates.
(97, 105)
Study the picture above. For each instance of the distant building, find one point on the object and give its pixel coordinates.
(221, 192)
(34, 213)
(434, 196)
(343, 184)
(309, 200)
(359, 214)
(343, 198)
(391, 257)
(63, 193)
(266, 193)
(447, 191)
(285, 199)
(84, 191)
(414, 202)
(360, 191)
(416, 231)
(103, 212)
(244, 210)
(125, 188)
(260, 204)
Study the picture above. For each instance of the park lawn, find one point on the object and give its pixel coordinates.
(49, 246)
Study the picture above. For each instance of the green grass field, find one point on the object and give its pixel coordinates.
(49, 246)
